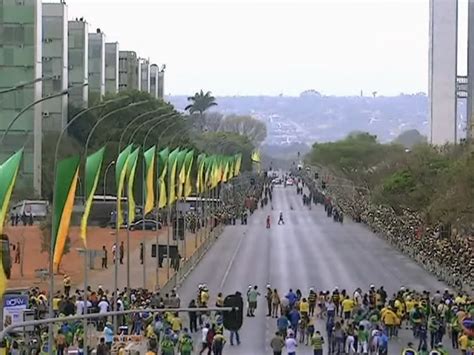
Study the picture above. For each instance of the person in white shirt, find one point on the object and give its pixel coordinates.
(291, 344)
(103, 306)
(79, 306)
(204, 332)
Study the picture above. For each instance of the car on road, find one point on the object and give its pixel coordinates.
(289, 182)
(277, 181)
(150, 225)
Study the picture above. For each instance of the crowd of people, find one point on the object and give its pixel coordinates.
(365, 322)
(100, 301)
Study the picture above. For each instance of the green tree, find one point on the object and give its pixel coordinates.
(200, 102)
(254, 129)
(410, 138)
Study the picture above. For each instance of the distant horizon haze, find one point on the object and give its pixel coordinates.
(263, 47)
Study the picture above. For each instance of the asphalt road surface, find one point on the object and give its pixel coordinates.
(309, 250)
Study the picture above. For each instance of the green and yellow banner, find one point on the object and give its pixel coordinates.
(92, 173)
(149, 182)
(131, 169)
(181, 172)
(225, 172)
(8, 174)
(67, 173)
(237, 164)
(188, 165)
(255, 156)
(162, 173)
(201, 160)
(172, 162)
(120, 173)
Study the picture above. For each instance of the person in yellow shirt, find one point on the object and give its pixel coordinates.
(176, 323)
(204, 297)
(304, 308)
(56, 301)
(348, 305)
(463, 342)
(391, 321)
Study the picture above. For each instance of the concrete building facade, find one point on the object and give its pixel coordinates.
(129, 73)
(161, 84)
(21, 61)
(443, 70)
(145, 75)
(111, 68)
(78, 63)
(55, 65)
(97, 64)
(154, 72)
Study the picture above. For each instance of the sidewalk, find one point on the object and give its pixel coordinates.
(105, 278)
(73, 263)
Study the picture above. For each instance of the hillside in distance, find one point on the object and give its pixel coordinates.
(312, 117)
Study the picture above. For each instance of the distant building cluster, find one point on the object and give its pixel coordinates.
(445, 85)
(38, 42)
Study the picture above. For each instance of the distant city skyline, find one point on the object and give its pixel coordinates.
(276, 47)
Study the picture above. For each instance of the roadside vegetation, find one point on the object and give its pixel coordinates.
(437, 183)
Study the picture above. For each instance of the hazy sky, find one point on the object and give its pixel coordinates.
(270, 47)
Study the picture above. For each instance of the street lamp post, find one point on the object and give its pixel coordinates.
(105, 176)
(21, 85)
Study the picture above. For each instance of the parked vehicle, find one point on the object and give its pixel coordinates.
(150, 224)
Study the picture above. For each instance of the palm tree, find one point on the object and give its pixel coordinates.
(200, 102)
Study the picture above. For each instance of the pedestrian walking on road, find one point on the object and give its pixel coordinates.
(275, 303)
(269, 298)
(291, 344)
(277, 344)
(252, 298)
(192, 317)
(317, 342)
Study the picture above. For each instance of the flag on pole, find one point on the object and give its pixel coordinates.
(131, 168)
(256, 156)
(8, 175)
(238, 163)
(162, 168)
(120, 173)
(188, 164)
(172, 161)
(201, 160)
(92, 172)
(67, 173)
(149, 182)
(181, 172)
(225, 171)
